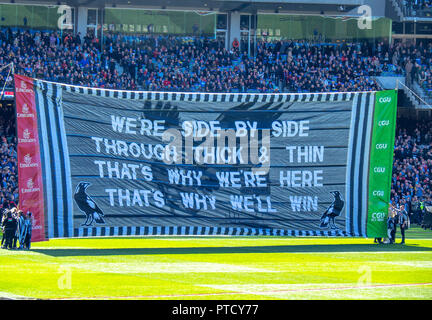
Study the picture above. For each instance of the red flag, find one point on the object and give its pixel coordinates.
(29, 162)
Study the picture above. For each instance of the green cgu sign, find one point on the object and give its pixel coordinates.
(381, 161)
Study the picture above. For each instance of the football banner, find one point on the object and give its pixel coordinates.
(119, 162)
(31, 193)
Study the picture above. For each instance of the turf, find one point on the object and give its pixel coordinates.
(220, 268)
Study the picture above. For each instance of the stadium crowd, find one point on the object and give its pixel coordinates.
(167, 63)
(416, 8)
(413, 6)
(412, 168)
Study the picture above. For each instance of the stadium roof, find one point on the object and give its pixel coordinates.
(251, 6)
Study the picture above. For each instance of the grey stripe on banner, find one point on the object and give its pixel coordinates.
(52, 191)
(366, 153)
(67, 177)
(45, 156)
(358, 168)
(362, 183)
(351, 164)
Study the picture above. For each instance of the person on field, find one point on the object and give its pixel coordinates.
(403, 221)
(16, 215)
(9, 225)
(380, 240)
(4, 216)
(28, 230)
(394, 226)
(20, 233)
(391, 226)
(388, 239)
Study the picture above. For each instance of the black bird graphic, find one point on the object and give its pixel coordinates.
(333, 211)
(87, 205)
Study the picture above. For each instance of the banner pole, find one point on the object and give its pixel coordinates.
(7, 77)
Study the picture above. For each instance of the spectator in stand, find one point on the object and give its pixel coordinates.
(168, 63)
(412, 167)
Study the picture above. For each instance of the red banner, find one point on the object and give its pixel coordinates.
(29, 162)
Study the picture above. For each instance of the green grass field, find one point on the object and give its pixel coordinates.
(220, 268)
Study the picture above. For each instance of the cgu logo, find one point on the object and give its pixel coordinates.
(379, 169)
(378, 216)
(384, 99)
(378, 193)
(381, 146)
(383, 123)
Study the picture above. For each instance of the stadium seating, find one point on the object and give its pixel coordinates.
(412, 166)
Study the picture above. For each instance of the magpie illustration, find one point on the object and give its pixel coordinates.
(87, 205)
(333, 211)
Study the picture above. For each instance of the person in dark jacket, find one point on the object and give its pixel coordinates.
(395, 224)
(403, 221)
(10, 226)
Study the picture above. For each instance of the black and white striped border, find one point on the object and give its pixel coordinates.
(200, 230)
(357, 175)
(55, 161)
(210, 97)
